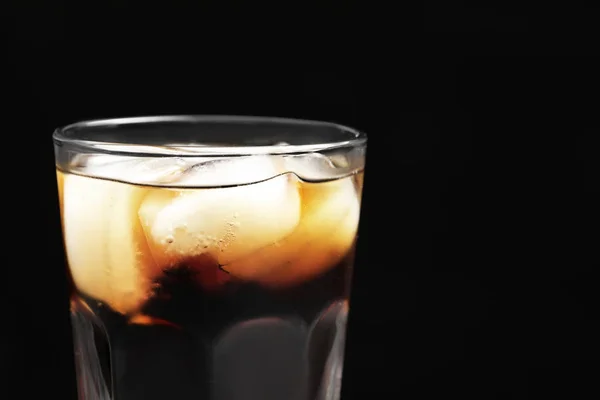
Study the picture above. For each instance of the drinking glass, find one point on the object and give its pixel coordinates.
(209, 257)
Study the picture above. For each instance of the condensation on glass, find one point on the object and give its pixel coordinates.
(210, 256)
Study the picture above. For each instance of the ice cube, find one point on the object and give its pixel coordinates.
(180, 171)
(140, 170)
(225, 223)
(311, 167)
(215, 172)
(326, 249)
(319, 167)
(324, 235)
(106, 249)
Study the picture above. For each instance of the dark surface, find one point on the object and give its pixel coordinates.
(484, 284)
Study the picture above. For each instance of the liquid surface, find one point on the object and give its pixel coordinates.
(231, 292)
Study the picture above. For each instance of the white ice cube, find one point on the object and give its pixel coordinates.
(225, 223)
(106, 249)
(218, 172)
(324, 235)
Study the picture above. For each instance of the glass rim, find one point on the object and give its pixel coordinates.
(61, 137)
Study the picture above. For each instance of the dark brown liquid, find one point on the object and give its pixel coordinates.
(205, 333)
(244, 342)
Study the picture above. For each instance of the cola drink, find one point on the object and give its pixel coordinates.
(221, 279)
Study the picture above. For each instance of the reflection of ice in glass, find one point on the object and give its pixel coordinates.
(261, 359)
(91, 384)
(326, 352)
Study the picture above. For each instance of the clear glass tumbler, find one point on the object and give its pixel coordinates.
(210, 257)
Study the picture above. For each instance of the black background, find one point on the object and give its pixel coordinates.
(477, 271)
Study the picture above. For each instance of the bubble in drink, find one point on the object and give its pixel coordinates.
(167, 255)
